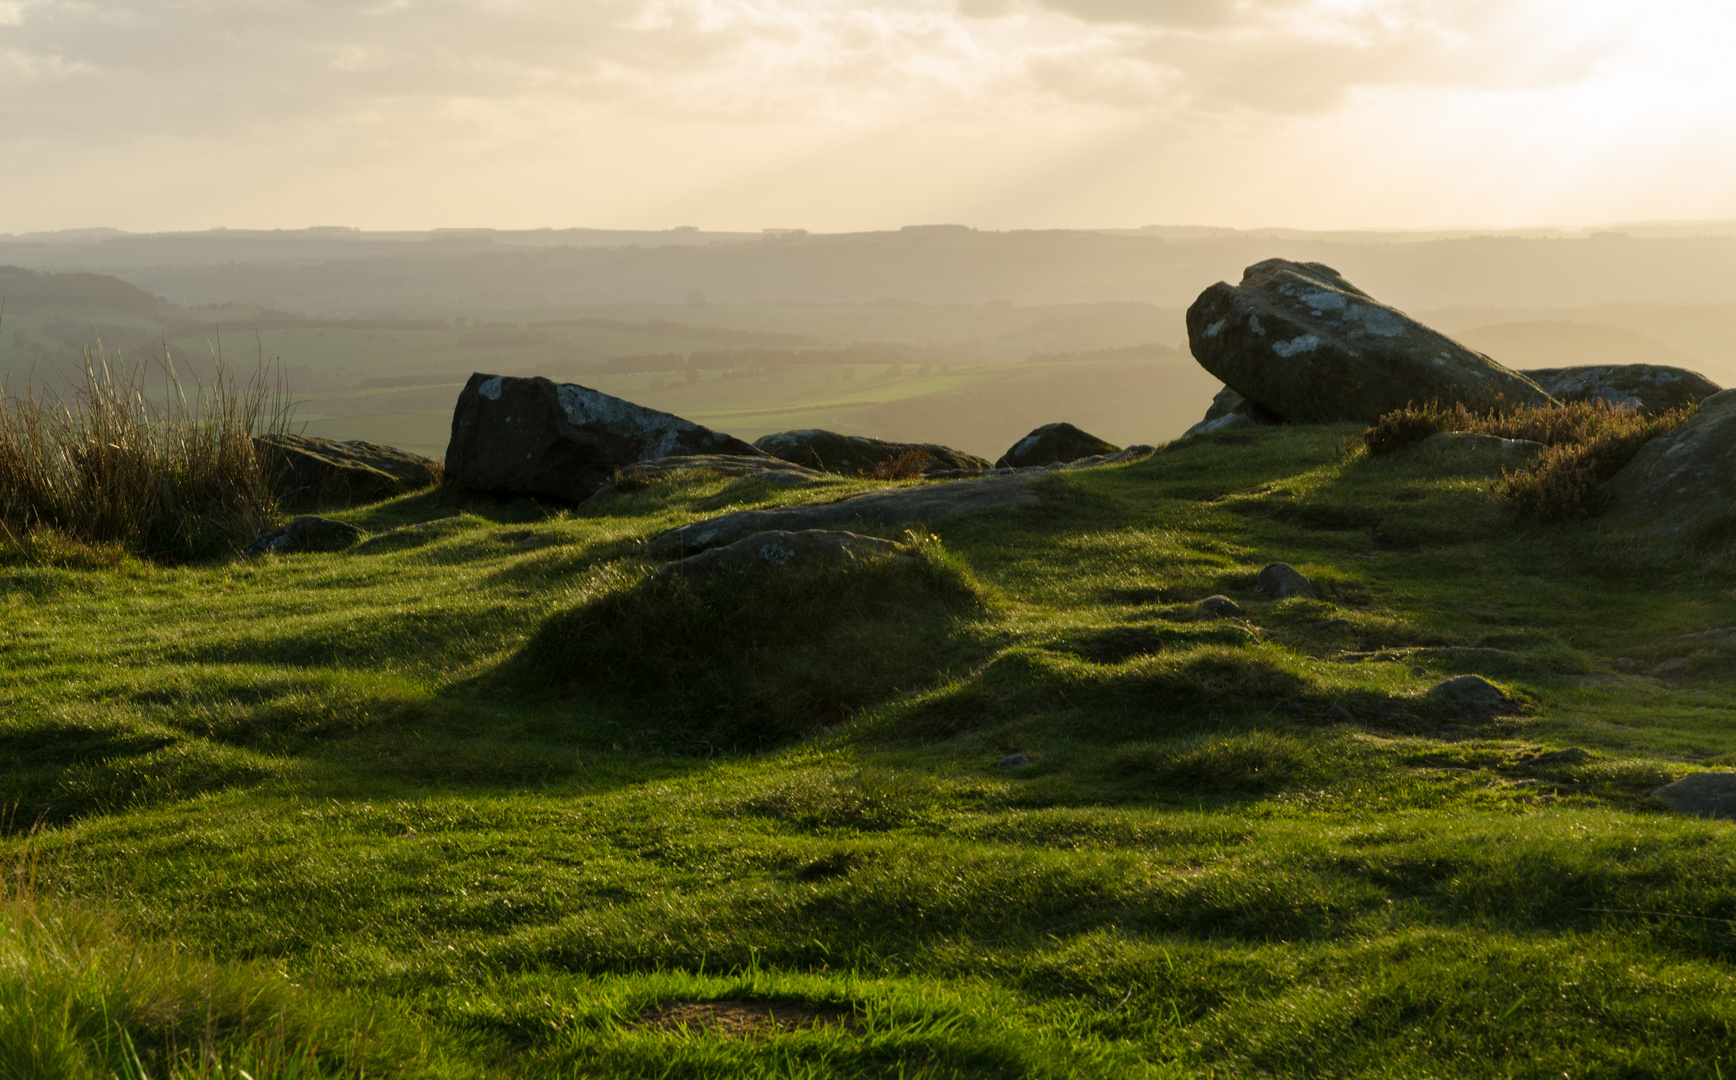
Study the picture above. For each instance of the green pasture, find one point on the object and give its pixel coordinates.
(428, 807)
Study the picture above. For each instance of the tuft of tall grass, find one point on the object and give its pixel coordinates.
(129, 458)
(906, 466)
(1585, 443)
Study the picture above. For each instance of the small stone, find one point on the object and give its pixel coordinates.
(1670, 667)
(1573, 755)
(1292, 708)
(1418, 670)
(1221, 606)
(1013, 761)
(1281, 581)
(1625, 663)
(1338, 714)
(1707, 794)
(307, 534)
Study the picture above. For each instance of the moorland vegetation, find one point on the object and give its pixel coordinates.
(484, 795)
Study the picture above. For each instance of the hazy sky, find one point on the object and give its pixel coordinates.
(852, 114)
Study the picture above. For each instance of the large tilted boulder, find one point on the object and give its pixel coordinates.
(531, 436)
(310, 472)
(1647, 388)
(1305, 344)
(1684, 482)
(850, 455)
(1051, 443)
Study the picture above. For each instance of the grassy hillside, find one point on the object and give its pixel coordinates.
(411, 809)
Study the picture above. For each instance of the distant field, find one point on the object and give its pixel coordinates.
(959, 374)
(982, 408)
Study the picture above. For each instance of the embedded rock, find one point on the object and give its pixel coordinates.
(1707, 794)
(1054, 443)
(1229, 411)
(1281, 581)
(1682, 483)
(1310, 347)
(531, 436)
(1220, 606)
(851, 455)
(309, 472)
(1647, 388)
(889, 507)
(782, 552)
(307, 534)
(1473, 694)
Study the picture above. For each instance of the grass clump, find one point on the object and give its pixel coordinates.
(745, 662)
(1584, 444)
(132, 461)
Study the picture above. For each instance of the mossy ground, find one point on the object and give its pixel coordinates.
(351, 786)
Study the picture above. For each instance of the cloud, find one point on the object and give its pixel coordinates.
(636, 101)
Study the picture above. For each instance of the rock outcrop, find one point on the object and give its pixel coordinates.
(850, 455)
(1308, 346)
(310, 472)
(1648, 388)
(1054, 443)
(1684, 482)
(531, 436)
(1229, 411)
(887, 508)
(307, 534)
(779, 551)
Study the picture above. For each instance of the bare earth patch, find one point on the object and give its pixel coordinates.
(742, 1017)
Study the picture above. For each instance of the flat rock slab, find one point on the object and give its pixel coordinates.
(851, 455)
(1120, 457)
(307, 534)
(1650, 388)
(889, 508)
(1682, 482)
(531, 436)
(1310, 347)
(767, 468)
(311, 472)
(1707, 794)
(782, 552)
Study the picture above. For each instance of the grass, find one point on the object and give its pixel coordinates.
(462, 788)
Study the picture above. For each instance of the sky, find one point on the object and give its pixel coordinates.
(839, 115)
